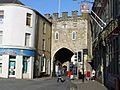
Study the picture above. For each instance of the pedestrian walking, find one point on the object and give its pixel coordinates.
(88, 75)
(59, 76)
(93, 75)
(70, 75)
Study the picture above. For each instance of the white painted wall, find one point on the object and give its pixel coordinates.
(14, 29)
(31, 66)
(14, 25)
(5, 66)
(19, 66)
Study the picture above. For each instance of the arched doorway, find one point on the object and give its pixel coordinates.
(61, 56)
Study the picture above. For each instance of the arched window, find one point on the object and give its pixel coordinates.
(56, 35)
(73, 35)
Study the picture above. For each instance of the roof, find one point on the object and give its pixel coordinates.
(18, 2)
(11, 1)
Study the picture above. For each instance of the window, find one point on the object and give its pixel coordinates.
(0, 64)
(73, 35)
(44, 28)
(56, 35)
(0, 57)
(0, 68)
(25, 64)
(1, 14)
(1, 36)
(27, 39)
(43, 63)
(12, 57)
(113, 56)
(43, 44)
(28, 19)
(64, 25)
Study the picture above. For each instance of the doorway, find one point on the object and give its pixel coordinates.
(12, 67)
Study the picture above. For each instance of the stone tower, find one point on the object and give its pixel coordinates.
(69, 36)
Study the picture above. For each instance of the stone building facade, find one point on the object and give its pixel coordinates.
(69, 36)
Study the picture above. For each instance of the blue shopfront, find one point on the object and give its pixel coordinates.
(17, 63)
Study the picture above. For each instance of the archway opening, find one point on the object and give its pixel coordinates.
(63, 55)
(61, 59)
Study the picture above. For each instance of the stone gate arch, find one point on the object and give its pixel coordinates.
(60, 57)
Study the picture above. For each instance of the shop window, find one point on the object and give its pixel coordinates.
(25, 64)
(43, 64)
(0, 68)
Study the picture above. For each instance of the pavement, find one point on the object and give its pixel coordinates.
(50, 83)
(77, 84)
(89, 85)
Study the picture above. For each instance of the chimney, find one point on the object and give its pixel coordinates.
(64, 14)
(74, 13)
(47, 15)
(55, 15)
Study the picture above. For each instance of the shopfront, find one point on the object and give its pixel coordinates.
(111, 37)
(16, 63)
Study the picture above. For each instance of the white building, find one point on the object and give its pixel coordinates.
(19, 26)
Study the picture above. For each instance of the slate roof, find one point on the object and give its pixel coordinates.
(11, 1)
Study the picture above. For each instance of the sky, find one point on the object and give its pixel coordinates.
(52, 6)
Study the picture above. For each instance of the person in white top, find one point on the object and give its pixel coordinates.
(93, 74)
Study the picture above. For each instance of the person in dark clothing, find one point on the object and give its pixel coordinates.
(59, 76)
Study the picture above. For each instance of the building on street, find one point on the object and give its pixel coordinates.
(106, 41)
(70, 36)
(25, 40)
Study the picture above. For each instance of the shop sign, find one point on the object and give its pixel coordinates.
(14, 51)
(84, 8)
(111, 26)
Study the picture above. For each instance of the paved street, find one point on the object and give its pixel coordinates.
(89, 85)
(36, 84)
(49, 84)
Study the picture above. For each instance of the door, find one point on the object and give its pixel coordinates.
(12, 67)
